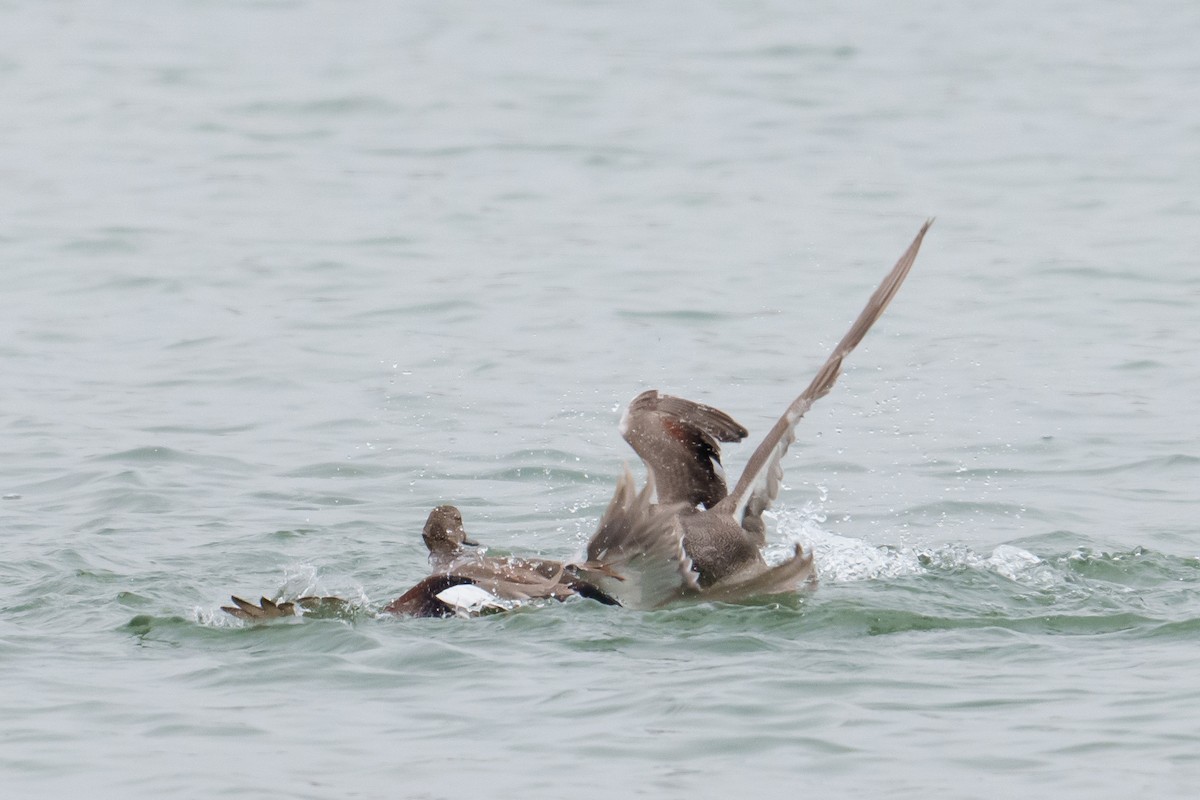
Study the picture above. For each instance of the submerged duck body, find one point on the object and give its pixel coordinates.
(462, 583)
(434, 596)
(444, 596)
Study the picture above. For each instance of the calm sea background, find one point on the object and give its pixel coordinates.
(278, 277)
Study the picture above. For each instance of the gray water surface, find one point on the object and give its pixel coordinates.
(278, 277)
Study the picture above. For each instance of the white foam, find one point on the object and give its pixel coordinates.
(213, 618)
(1012, 562)
(844, 559)
(304, 580)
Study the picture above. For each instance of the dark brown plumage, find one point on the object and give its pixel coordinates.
(422, 600)
(678, 441)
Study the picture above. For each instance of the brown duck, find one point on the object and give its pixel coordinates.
(720, 533)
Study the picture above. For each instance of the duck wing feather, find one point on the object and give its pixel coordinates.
(759, 484)
(637, 555)
(677, 439)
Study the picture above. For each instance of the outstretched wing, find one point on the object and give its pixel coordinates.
(511, 578)
(759, 485)
(268, 609)
(678, 441)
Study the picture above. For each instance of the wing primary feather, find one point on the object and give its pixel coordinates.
(759, 484)
(636, 555)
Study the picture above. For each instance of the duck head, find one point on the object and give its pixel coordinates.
(443, 533)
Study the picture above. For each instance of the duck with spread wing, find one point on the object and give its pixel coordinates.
(718, 535)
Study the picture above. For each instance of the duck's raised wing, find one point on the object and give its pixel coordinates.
(678, 441)
(759, 485)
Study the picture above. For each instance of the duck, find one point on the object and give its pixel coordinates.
(462, 582)
(717, 535)
(435, 596)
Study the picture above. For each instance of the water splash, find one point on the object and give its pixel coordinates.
(299, 580)
(842, 559)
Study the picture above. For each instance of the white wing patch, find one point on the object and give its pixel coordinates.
(468, 600)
